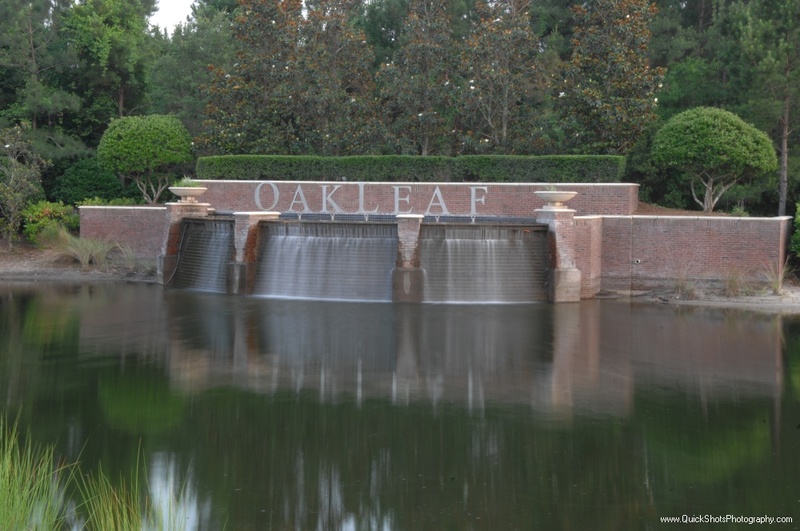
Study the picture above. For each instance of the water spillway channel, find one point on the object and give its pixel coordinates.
(354, 261)
(206, 249)
(327, 261)
(484, 263)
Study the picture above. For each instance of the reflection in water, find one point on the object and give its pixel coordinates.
(274, 414)
(174, 495)
(588, 356)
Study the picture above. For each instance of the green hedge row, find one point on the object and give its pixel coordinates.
(472, 168)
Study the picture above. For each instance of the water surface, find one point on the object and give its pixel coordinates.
(276, 414)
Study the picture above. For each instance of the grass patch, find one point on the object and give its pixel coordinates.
(110, 507)
(85, 251)
(733, 283)
(38, 493)
(32, 486)
(777, 275)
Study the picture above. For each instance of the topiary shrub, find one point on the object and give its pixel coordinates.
(84, 179)
(149, 150)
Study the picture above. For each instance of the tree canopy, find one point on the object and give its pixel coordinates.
(453, 77)
(716, 148)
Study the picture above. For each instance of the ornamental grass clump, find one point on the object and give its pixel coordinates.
(85, 251)
(107, 506)
(32, 485)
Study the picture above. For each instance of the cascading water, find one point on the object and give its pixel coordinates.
(475, 263)
(206, 249)
(327, 260)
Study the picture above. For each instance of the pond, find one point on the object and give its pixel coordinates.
(254, 413)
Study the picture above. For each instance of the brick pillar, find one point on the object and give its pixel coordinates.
(242, 271)
(168, 259)
(565, 277)
(407, 276)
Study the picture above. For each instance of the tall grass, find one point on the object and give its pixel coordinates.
(32, 486)
(109, 507)
(776, 275)
(85, 251)
(35, 494)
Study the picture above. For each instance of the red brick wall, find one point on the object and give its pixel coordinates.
(612, 251)
(461, 199)
(588, 253)
(142, 228)
(641, 252)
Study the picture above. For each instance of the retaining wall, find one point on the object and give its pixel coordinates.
(140, 227)
(612, 250)
(643, 252)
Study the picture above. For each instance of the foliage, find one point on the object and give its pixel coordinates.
(772, 43)
(608, 95)
(717, 148)
(588, 168)
(251, 105)
(111, 42)
(146, 149)
(498, 64)
(99, 201)
(418, 85)
(20, 174)
(84, 179)
(337, 113)
(45, 213)
(794, 245)
(187, 183)
(181, 69)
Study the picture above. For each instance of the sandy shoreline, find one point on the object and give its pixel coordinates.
(27, 263)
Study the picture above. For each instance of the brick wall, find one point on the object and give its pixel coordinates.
(142, 228)
(640, 252)
(588, 253)
(458, 199)
(612, 251)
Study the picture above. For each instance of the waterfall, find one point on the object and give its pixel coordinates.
(484, 264)
(206, 248)
(327, 261)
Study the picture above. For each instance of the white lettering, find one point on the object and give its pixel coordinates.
(397, 199)
(440, 203)
(474, 199)
(326, 199)
(275, 196)
(361, 208)
(299, 197)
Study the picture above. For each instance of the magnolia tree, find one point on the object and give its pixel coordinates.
(20, 180)
(147, 150)
(716, 148)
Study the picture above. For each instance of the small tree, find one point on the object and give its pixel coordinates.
(716, 148)
(146, 149)
(20, 180)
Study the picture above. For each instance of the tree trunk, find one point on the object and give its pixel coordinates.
(784, 171)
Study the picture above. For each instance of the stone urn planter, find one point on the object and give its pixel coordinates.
(188, 194)
(555, 199)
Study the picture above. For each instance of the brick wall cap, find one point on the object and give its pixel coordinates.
(127, 207)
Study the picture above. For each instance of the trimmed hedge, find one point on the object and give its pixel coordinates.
(395, 168)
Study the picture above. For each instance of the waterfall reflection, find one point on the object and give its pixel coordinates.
(557, 358)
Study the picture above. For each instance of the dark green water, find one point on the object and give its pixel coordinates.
(260, 414)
